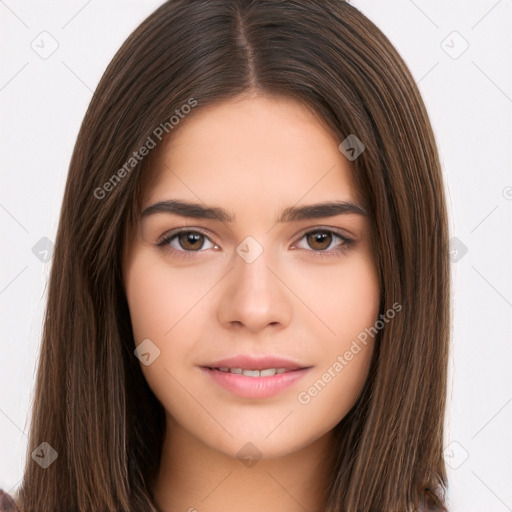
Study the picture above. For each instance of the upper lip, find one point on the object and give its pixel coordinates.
(246, 362)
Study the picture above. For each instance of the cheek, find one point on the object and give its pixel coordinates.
(159, 300)
(165, 306)
(348, 305)
(159, 297)
(345, 298)
(146, 301)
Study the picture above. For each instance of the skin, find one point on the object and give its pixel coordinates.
(253, 155)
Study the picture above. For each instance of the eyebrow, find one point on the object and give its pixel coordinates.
(290, 214)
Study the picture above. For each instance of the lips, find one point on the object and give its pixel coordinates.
(254, 377)
(246, 362)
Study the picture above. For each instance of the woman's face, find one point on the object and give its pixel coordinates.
(246, 275)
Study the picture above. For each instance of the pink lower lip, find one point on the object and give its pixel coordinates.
(255, 387)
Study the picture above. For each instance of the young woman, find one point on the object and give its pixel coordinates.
(248, 307)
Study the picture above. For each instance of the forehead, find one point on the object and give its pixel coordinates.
(262, 151)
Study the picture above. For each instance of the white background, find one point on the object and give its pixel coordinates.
(469, 99)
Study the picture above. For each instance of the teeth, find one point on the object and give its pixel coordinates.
(271, 371)
(267, 372)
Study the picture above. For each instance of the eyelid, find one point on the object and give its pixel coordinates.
(163, 239)
(337, 231)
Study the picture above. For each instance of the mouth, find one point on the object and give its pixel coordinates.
(266, 372)
(250, 377)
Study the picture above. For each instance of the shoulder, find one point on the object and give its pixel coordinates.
(7, 503)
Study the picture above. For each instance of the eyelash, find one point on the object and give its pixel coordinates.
(168, 237)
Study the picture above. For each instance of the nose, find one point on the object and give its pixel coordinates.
(254, 296)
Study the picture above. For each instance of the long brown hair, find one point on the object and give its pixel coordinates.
(92, 404)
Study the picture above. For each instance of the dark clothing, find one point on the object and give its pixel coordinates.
(7, 503)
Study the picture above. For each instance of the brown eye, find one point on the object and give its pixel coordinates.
(319, 240)
(186, 241)
(324, 242)
(190, 240)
